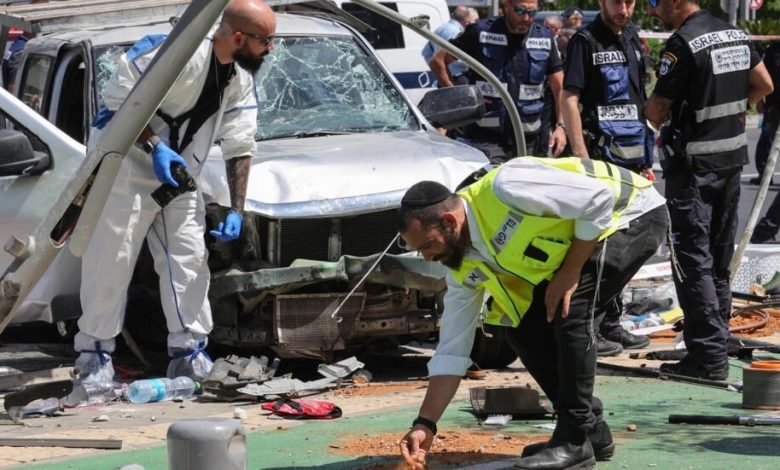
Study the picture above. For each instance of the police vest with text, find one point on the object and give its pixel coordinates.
(529, 248)
(523, 72)
(613, 103)
(712, 115)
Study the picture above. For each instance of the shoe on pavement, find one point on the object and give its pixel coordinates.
(626, 339)
(606, 348)
(195, 364)
(689, 368)
(95, 368)
(757, 180)
(600, 439)
(560, 456)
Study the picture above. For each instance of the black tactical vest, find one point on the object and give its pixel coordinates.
(711, 111)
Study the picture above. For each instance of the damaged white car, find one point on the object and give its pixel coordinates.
(338, 144)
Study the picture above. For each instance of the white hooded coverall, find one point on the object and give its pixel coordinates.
(174, 233)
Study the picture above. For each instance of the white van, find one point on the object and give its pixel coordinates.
(400, 48)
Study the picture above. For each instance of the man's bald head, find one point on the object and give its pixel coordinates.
(248, 15)
(461, 14)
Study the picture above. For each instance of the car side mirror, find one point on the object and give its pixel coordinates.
(17, 156)
(453, 106)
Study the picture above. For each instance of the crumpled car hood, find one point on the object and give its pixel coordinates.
(343, 174)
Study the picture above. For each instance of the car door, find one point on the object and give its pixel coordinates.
(37, 161)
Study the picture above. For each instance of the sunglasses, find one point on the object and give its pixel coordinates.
(653, 3)
(264, 41)
(526, 11)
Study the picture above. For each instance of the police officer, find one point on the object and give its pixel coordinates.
(769, 225)
(523, 55)
(771, 109)
(605, 72)
(709, 74)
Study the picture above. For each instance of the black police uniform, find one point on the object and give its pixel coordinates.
(769, 225)
(609, 73)
(704, 70)
(523, 64)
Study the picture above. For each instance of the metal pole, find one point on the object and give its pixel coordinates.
(36, 252)
(733, 4)
(514, 116)
(755, 211)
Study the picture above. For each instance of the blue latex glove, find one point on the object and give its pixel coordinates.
(230, 229)
(162, 158)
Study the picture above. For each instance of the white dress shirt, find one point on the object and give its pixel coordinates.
(536, 189)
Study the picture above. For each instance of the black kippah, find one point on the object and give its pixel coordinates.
(425, 193)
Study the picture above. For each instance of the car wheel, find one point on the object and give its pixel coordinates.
(492, 352)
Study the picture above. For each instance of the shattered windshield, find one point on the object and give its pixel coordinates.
(106, 59)
(311, 86)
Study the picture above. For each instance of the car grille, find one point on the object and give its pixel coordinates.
(361, 235)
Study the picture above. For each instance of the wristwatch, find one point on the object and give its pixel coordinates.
(150, 144)
(561, 125)
(426, 423)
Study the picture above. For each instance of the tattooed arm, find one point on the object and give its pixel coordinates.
(237, 170)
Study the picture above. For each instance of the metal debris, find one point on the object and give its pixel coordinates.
(285, 386)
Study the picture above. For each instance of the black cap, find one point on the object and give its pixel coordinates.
(425, 193)
(570, 11)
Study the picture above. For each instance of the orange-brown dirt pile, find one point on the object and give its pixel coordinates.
(449, 448)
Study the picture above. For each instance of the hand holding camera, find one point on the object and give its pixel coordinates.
(163, 159)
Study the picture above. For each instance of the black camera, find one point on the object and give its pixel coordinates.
(165, 193)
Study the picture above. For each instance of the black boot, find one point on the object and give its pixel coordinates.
(600, 439)
(626, 339)
(606, 348)
(574, 453)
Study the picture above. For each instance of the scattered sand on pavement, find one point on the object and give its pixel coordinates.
(360, 390)
(449, 448)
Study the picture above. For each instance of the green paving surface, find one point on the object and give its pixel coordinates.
(643, 402)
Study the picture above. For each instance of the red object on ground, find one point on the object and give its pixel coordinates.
(303, 409)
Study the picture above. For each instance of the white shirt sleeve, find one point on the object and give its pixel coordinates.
(239, 122)
(538, 189)
(458, 327)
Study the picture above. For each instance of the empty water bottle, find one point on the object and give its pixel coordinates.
(88, 394)
(145, 391)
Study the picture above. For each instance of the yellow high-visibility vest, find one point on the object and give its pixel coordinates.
(528, 247)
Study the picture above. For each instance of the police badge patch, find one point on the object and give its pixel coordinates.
(667, 63)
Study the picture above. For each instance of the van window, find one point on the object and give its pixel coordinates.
(36, 75)
(387, 35)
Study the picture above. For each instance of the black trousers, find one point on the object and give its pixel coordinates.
(769, 225)
(703, 209)
(764, 144)
(561, 356)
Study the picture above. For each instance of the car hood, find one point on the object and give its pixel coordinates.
(343, 174)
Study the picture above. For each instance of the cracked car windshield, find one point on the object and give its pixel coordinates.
(310, 86)
(322, 85)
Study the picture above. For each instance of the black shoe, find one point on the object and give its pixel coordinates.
(600, 439)
(626, 339)
(560, 456)
(605, 347)
(759, 237)
(719, 371)
(757, 180)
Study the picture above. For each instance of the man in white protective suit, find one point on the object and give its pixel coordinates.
(213, 99)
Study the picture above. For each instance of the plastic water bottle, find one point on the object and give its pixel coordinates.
(145, 391)
(91, 394)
